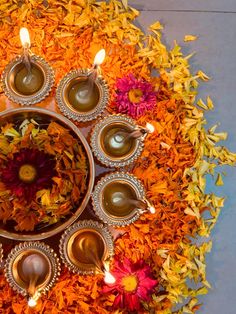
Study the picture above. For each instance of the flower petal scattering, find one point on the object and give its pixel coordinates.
(134, 97)
(176, 159)
(134, 283)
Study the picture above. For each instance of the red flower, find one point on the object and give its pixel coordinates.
(134, 283)
(29, 171)
(134, 97)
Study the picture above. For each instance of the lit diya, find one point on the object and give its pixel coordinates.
(82, 95)
(31, 269)
(117, 140)
(28, 78)
(86, 248)
(119, 199)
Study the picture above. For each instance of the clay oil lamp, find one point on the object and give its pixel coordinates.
(117, 141)
(31, 269)
(86, 248)
(82, 95)
(28, 78)
(119, 199)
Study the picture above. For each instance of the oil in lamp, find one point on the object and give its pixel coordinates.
(82, 95)
(117, 141)
(28, 78)
(31, 269)
(86, 248)
(119, 199)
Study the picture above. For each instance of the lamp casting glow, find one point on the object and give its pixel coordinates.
(150, 127)
(152, 209)
(109, 278)
(24, 37)
(32, 302)
(99, 58)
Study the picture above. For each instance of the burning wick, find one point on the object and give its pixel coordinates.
(102, 267)
(150, 128)
(143, 205)
(140, 131)
(151, 208)
(25, 41)
(86, 92)
(32, 302)
(98, 60)
(109, 278)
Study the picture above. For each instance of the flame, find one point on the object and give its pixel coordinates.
(150, 127)
(152, 209)
(108, 277)
(32, 302)
(99, 58)
(24, 37)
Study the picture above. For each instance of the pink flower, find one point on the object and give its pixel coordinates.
(134, 283)
(29, 171)
(134, 97)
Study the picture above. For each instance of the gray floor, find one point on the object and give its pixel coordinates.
(214, 21)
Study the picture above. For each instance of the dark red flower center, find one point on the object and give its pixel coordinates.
(27, 173)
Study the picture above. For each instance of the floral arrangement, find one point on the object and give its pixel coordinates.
(43, 174)
(134, 283)
(134, 97)
(159, 261)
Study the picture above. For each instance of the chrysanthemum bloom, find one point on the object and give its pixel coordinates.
(134, 97)
(134, 283)
(29, 171)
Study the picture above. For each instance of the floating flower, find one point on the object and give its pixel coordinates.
(134, 283)
(134, 97)
(29, 171)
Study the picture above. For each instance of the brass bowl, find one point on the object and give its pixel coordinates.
(81, 110)
(45, 116)
(110, 198)
(29, 258)
(13, 81)
(108, 150)
(79, 239)
(1, 254)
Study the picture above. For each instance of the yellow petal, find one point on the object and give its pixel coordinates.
(190, 38)
(125, 3)
(219, 180)
(156, 26)
(210, 104)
